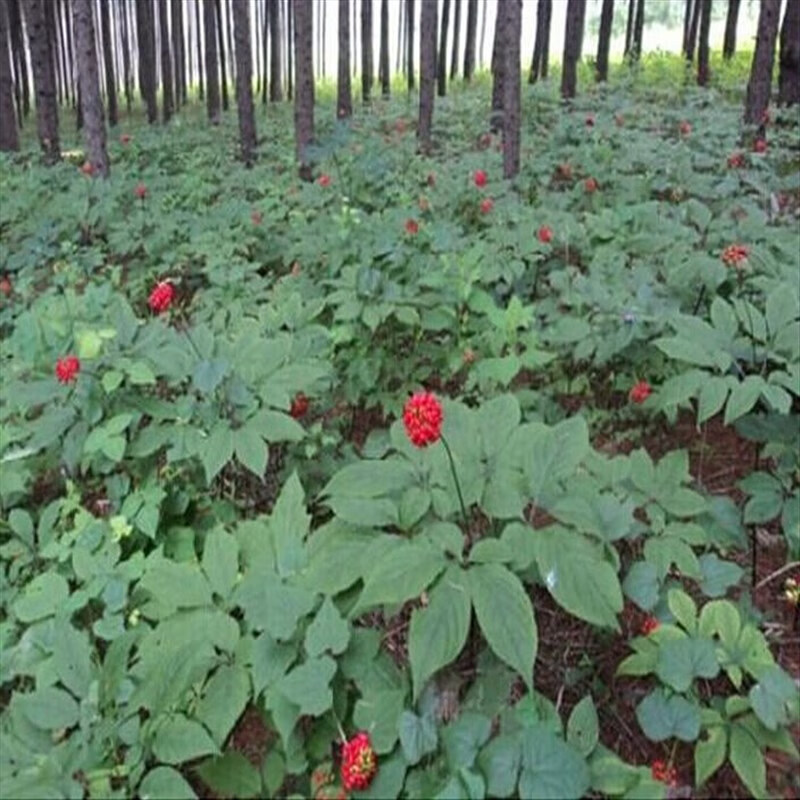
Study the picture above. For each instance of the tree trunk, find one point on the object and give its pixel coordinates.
(147, 54)
(629, 28)
(544, 64)
(427, 72)
(44, 80)
(789, 62)
(401, 30)
(471, 39)
(456, 40)
(354, 40)
(94, 125)
(760, 83)
(9, 138)
(512, 32)
(264, 51)
(702, 49)
(256, 51)
(178, 62)
(108, 58)
(167, 100)
(729, 43)
(212, 68)
(441, 67)
(384, 66)
(304, 83)
(498, 71)
(126, 55)
(482, 51)
(276, 58)
(410, 44)
(638, 31)
(687, 20)
(221, 48)
(200, 42)
(59, 58)
(367, 69)
(691, 44)
(62, 46)
(344, 100)
(573, 37)
(604, 40)
(229, 31)
(290, 51)
(244, 81)
(21, 86)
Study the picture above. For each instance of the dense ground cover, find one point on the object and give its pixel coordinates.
(220, 550)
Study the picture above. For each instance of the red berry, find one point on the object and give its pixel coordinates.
(412, 227)
(422, 417)
(140, 191)
(359, 763)
(590, 185)
(649, 625)
(299, 406)
(67, 369)
(324, 180)
(161, 297)
(480, 178)
(640, 392)
(486, 205)
(545, 234)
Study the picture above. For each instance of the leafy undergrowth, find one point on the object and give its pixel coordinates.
(221, 551)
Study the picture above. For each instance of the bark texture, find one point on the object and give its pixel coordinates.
(410, 45)
(573, 39)
(760, 84)
(212, 70)
(427, 73)
(44, 79)
(344, 97)
(145, 31)
(441, 66)
(94, 124)
(732, 18)
(512, 31)
(456, 39)
(384, 66)
(178, 52)
(9, 138)
(541, 42)
(498, 71)
(471, 39)
(108, 62)
(276, 45)
(221, 49)
(638, 31)
(789, 63)
(167, 86)
(367, 67)
(244, 81)
(604, 40)
(21, 85)
(304, 84)
(691, 44)
(703, 71)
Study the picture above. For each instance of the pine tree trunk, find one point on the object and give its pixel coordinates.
(629, 28)
(760, 84)
(265, 51)
(344, 100)
(19, 60)
(62, 46)
(178, 64)
(441, 68)
(244, 81)
(9, 138)
(482, 51)
(44, 79)
(354, 40)
(512, 32)
(212, 68)
(229, 31)
(687, 20)
(691, 44)
(94, 125)
(324, 27)
(126, 54)
(276, 57)
(456, 40)
(167, 100)
(59, 60)
(367, 69)
(789, 62)
(638, 31)
(401, 31)
(200, 41)
(410, 44)
(604, 40)
(471, 39)
(427, 72)
(385, 66)
(702, 48)
(108, 58)
(221, 47)
(147, 57)
(257, 46)
(729, 43)
(290, 50)
(573, 37)
(304, 88)
(544, 64)
(498, 71)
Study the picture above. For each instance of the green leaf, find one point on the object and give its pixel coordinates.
(642, 585)
(748, 761)
(709, 754)
(329, 631)
(364, 512)
(378, 713)
(551, 769)
(583, 730)
(275, 426)
(743, 397)
(72, 657)
(418, 736)
(578, 577)
(464, 737)
(308, 686)
(388, 783)
(42, 597)
(180, 739)
(221, 561)
(230, 775)
(402, 573)
(661, 717)
(680, 661)
(718, 575)
(686, 350)
(224, 699)
(772, 697)
(438, 633)
(208, 375)
(270, 660)
(611, 776)
(217, 450)
(250, 451)
(165, 783)
(368, 479)
(289, 524)
(505, 615)
(49, 708)
(554, 453)
(500, 762)
(683, 608)
(713, 394)
(663, 551)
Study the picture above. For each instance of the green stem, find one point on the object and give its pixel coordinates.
(455, 479)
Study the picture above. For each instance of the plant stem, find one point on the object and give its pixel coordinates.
(455, 478)
(700, 295)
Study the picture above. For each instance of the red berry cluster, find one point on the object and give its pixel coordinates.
(161, 297)
(733, 255)
(67, 369)
(487, 205)
(736, 160)
(661, 771)
(299, 406)
(412, 227)
(545, 234)
(649, 625)
(480, 178)
(640, 392)
(140, 191)
(422, 417)
(359, 764)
